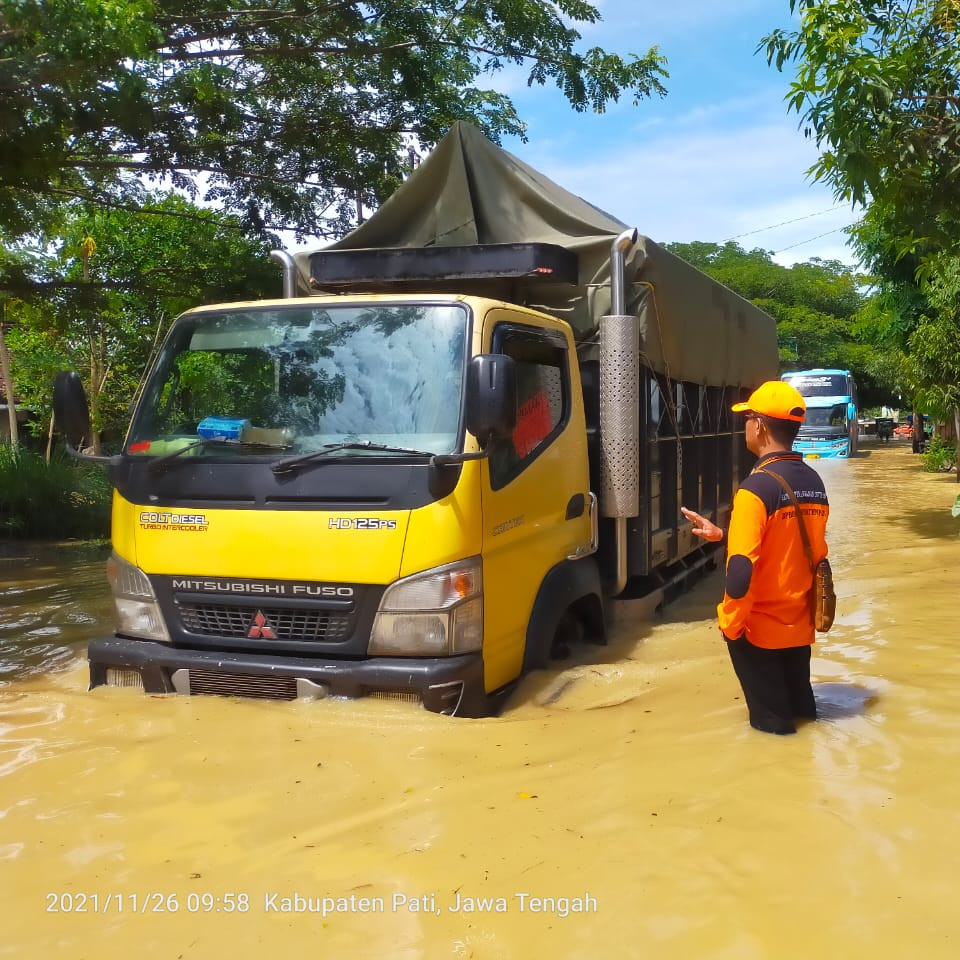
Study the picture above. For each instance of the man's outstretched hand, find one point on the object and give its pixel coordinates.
(702, 527)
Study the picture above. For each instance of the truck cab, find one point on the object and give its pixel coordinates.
(304, 507)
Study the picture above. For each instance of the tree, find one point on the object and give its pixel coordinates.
(935, 345)
(878, 88)
(105, 317)
(819, 307)
(288, 113)
(901, 300)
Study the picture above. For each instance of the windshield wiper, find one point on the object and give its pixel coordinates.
(155, 464)
(292, 463)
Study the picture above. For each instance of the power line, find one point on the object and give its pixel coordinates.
(783, 223)
(817, 237)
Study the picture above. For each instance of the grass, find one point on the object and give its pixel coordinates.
(60, 500)
(940, 457)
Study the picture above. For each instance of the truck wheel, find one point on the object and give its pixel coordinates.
(568, 608)
(557, 646)
(569, 632)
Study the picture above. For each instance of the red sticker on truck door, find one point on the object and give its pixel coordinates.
(533, 424)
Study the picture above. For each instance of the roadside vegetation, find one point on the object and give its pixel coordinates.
(876, 86)
(825, 310)
(60, 500)
(939, 456)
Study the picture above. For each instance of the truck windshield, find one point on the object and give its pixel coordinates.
(296, 379)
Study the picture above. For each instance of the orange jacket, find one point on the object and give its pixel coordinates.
(768, 578)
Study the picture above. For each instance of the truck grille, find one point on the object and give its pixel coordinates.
(278, 623)
(242, 685)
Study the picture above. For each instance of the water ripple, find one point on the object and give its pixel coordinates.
(49, 598)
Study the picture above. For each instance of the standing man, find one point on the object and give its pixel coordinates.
(766, 615)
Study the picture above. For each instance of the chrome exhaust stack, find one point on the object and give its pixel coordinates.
(620, 408)
(289, 272)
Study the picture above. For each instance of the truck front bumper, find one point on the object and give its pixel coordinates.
(451, 685)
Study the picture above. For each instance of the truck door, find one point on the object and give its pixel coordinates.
(535, 488)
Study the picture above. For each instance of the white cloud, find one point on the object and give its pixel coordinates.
(687, 181)
(510, 79)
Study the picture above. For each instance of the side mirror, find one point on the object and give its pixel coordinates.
(491, 396)
(71, 410)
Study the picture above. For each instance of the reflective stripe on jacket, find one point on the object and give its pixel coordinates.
(768, 578)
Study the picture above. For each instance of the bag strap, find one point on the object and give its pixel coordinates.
(796, 506)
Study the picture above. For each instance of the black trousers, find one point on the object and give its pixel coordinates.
(775, 683)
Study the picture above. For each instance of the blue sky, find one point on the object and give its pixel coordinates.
(718, 158)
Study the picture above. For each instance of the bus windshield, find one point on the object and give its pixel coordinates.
(819, 417)
(818, 384)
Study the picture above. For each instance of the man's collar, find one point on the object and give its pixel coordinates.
(777, 455)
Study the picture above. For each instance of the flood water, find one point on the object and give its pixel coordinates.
(619, 807)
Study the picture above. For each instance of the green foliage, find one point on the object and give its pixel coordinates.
(935, 344)
(939, 457)
(891, 370)
(60, 500)
(819, 307)
(106, 318)
(935, 340)
(285, 113)
(877, 86)
(898, 274)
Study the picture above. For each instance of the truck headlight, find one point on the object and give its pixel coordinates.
(437, 612)
(138, 613)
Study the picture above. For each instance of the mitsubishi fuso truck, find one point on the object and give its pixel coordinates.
(457, 443)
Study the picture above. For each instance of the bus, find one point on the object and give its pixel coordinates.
(830, 428)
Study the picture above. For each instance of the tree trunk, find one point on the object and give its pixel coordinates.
(8, 387)
(50, 439)
(97, 378)
(94, 439)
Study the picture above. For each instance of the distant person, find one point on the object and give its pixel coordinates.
(766, 616)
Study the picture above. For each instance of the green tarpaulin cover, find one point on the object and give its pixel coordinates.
(470, 191)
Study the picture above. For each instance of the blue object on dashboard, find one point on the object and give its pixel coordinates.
(222, 428)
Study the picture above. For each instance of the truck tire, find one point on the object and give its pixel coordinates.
(568, 634)
(567, 607)
(538, 654)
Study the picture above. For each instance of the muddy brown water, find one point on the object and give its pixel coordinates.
(619, 807)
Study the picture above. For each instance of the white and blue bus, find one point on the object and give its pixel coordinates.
(830, 428)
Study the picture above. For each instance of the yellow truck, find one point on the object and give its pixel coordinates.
(457, 444)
